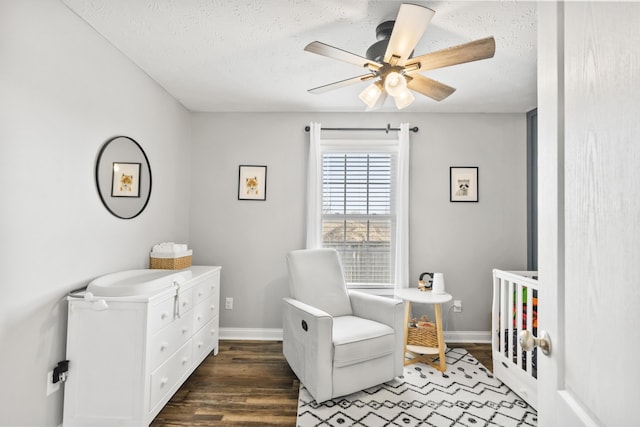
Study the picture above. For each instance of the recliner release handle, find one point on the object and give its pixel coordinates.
(305, 327)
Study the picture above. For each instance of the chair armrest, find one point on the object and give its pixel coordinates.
(385, 310)
(310, 310)
(307, 344)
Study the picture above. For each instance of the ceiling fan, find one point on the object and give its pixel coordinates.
(390, 63)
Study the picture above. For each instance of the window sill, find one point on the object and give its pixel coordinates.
(385, 290)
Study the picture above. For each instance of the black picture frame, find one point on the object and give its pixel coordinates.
(125, 181)
(463, 184)
(252, 182)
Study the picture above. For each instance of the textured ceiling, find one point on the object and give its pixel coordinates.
(247, 55)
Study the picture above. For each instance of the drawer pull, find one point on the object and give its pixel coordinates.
(164, 381)
(213, 331)
(199, 293)
(185, 360)
(185, 303)
(163, 315)
(164, 346)
(199, 318)
(185, 330)
(200, 344)
(213, 307)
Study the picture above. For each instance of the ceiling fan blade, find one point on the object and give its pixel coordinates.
(341, 55)
(410, 24)
(468, 52)
(429, 87)
(341, 83)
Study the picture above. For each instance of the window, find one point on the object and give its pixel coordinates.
(358, 204)
(358, 214)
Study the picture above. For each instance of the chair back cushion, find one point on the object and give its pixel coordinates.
(316, 278)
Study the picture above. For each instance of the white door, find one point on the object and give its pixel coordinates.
(589, 212)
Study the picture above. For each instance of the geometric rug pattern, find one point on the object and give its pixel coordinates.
(467, 394)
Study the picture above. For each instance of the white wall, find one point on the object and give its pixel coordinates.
(64, 91)
(465, 241)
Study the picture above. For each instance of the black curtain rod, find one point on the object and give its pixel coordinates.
(387, 129)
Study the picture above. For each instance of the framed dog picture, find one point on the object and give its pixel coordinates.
(252, 183)
(463, 184)
(125, 180)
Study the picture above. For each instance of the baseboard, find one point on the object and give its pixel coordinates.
(479, 337)
(275, 334)
(250, 334)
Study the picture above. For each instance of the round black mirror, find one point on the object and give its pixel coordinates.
(123, 177)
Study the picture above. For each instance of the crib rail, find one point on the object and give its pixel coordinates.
(514, 309)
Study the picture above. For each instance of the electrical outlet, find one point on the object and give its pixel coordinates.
(457, 306)
(228, 303)
(51, 386)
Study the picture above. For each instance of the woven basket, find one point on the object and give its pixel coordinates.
(170, 263)
(424, 336)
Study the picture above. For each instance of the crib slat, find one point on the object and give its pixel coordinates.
(495, 317)
(529, 327)
(518, 323)
(503, 316)
(509, 313)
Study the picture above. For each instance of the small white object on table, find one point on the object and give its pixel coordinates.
(420, 353)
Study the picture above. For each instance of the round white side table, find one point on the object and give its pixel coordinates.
(420, 353)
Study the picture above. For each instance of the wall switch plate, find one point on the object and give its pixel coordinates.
(457, 306)
(228, 303)
(51, 387)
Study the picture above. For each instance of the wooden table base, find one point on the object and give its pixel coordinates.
(426, 357)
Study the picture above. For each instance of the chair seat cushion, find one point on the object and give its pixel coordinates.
(356, 340)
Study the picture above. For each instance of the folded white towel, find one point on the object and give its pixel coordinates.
(172, 254)
(167, 247)
(170, 249)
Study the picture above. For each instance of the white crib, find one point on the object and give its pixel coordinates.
(515, 308)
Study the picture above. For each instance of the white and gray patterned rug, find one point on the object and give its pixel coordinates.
(467, 394)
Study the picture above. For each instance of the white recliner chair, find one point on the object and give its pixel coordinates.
(337, 341)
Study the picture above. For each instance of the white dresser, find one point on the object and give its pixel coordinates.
(134, 340)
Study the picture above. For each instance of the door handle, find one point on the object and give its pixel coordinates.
(528, 342)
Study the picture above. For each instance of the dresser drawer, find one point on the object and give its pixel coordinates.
(204, 340)
(205, 288)
(185, 301)
(165, 342)
(161, 314)
(166, 376)
(204, 312)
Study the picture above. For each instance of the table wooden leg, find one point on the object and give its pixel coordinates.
(440, 334)
(407, 315)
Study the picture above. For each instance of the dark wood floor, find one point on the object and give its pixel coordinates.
(248, 383)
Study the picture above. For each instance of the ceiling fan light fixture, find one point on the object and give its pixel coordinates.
(404, 99)
(391, 60)
(371, 94)
(395, 83)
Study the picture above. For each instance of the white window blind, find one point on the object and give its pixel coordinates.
(358, 214)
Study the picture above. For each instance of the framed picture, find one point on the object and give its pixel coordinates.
(463, 184)
(252, 183)
(126, 180)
